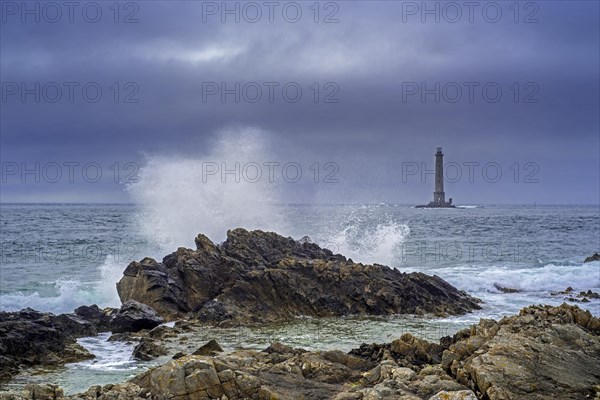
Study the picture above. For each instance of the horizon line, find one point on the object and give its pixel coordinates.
(300, 204)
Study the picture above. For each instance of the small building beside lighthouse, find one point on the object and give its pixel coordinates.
(439, 196)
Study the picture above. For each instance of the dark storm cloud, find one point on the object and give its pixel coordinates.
(370, 55)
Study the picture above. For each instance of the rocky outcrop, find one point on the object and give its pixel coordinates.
(407, 351)
(407, 368)
(544, 352)
(581, 297)
(147, 349)
(133, 317)
(99, 318)
(390, 381)
(261, 276)
(280, 373)
(209, 349)
(29, 337)
(505, 289)
(45, 391)
(593, 257)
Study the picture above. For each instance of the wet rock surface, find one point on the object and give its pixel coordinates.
(133, 317)
(261, 276)
(209, 349)
(98, 317)
(29, 337)
(593, 257)
(148, 349)
(543, 353)
(505, 289)
(571, 295)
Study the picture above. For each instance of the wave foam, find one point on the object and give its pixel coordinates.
(72, 293)
(550, 277)
(180, 200)
(367, 243)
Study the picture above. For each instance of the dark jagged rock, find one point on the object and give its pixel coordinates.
(100, 318)
(69, 324)
(30, 337)
(209, 349)
(567, 291)
(133, 317)
(125, 337)
(164, 331)
(593, 257)
(407, 351)
(581, 297)
(261, 276)
(589, 294)
(148, 350)
(504, 289)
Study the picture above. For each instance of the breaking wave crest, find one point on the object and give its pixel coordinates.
(181, 197)
(72, 293)
(364, 241)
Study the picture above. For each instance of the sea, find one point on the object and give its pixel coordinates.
(56, 257)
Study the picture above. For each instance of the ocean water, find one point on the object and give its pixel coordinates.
(56, 257)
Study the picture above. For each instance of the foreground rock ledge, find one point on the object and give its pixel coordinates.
(543, 353)
(30, 338)
(262, 276)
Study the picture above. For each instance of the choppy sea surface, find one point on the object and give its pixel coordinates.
(56, 257)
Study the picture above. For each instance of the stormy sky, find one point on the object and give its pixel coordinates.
(361, 91)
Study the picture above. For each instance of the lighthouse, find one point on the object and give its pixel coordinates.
(439, 197)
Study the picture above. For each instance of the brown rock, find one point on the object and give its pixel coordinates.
(148, 350)
(44, 392)
(261, 276)
(544, 352)
(211, 348)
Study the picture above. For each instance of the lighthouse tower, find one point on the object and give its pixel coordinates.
(439, 197)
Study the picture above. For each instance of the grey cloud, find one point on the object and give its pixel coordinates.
(369, 54)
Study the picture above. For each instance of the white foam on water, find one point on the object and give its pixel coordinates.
(379, 244)
(111, 271)
(110, 356)
(550, 277)
(179, 198)
(534, 284)
(72, 293)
